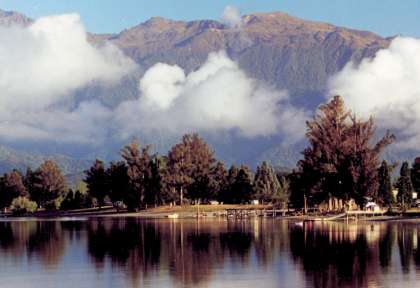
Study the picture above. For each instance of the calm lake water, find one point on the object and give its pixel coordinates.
(130, 252)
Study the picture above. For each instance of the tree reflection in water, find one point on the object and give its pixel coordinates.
(191, 253)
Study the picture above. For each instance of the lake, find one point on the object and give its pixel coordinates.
(132, 252)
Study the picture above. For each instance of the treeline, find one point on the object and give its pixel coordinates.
(342, 161)
(188, 174)
(44, 187)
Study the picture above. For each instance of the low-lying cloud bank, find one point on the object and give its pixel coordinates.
(387, 87)
(40, 66)
(219, 96)
(44, 64)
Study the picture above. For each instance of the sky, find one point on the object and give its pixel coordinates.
(385, 17)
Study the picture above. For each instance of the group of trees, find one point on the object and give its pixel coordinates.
(40, 188)
(341, 161)
(188, 173)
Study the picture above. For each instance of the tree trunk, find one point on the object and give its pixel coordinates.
(181, 196)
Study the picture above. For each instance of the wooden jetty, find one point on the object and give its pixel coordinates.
(240, 213)
(243, 213)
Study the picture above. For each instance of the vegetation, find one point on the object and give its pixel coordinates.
(385, 186)
(404, 185)
(22, 205)
(341, 161)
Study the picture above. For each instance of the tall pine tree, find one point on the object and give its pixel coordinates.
(340, 160)
(385, 187)
(96, 179)
(405, 187)
(266, 184)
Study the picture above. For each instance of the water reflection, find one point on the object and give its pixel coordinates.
(188, 253)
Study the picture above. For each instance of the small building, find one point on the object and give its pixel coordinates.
(372, 206)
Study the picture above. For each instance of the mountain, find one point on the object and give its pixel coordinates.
(282, 50)
(21, 160)
(277, 48)
(8, 18)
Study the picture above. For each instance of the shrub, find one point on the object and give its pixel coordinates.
(22, 205)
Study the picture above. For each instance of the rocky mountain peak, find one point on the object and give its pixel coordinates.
(9, 18)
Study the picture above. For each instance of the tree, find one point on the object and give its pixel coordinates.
(297, 189)
(118, 181)
(385, 187)
(227, 195)
(29, 182)
(97, 181)
(415, 175)
(281, 195)
(218, 181)
(11, 187)
(158, 191)
(242, 188)
(189, 165)
(266, 184)
(49, 184)
(22, 205)
(404, 185)
(74, 200)
(137, 160)
(341, 160)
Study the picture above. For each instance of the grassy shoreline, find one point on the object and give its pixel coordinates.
(201, 211)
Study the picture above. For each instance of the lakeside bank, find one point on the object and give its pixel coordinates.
(238, 212)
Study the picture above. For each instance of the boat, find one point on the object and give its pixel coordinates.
(173, 216)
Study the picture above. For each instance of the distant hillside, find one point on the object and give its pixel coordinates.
(14, 159)
(280, 49)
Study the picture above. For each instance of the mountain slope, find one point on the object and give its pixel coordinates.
(282, 50)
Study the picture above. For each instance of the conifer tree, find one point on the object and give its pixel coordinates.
(227, 195)
(242, 188)
(219, 178)
(415, 175)
(266, 184)
(97, 181)
(158, 192)
(117, 180)
(341, 161)
(405, 188)
(385, 187)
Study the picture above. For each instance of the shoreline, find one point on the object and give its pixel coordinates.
(209, 212)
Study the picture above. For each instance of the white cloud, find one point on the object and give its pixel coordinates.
(387, 87)
(231, 17)
(45, 63)
(218, 96)
(40, 66)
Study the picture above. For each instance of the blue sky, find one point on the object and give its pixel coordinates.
(385, 17)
